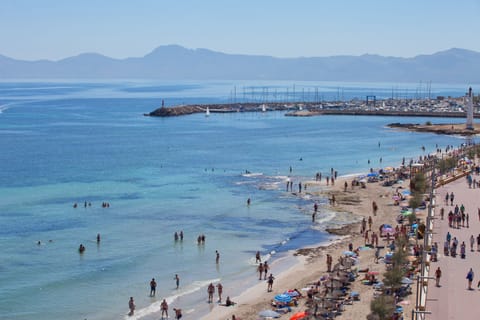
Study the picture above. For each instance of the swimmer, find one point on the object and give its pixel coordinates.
(81, 249)
(248, 201)
(217, 259)
(98, 237)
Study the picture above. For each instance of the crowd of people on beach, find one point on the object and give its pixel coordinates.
(344, 268)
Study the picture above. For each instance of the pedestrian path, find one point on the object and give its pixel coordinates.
(452, 300)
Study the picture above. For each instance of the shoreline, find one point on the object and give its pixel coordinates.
(310, 261)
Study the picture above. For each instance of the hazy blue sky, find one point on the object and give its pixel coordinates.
(55, 29)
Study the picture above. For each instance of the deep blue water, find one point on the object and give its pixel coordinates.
(68, 142)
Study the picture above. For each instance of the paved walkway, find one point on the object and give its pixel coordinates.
(452, 300)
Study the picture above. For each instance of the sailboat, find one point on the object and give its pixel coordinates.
(207, 113)
(264, 108)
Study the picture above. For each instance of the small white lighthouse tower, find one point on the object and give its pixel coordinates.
(469, 107)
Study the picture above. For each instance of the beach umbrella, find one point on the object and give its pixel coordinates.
(269, 314)
(283, 298)
(406, 192)
(299, 315)
(387, 230)
(349, 253)
(406, 280)
(388, 169)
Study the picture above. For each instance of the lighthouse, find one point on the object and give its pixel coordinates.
(469, 109)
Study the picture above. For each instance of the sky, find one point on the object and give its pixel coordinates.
(56, 29)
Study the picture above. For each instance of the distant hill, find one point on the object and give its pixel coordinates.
(178, 63)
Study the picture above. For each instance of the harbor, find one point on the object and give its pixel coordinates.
(445, 107)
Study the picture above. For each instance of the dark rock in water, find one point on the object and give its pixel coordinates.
(178, 111)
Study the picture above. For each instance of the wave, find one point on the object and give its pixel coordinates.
(252, 174)
(155, 306)
(5, 107)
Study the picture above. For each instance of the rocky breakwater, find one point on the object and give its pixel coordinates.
(451, 129)
(177, 111)
(216, 108)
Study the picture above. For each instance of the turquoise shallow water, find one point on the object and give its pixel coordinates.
(68, 142)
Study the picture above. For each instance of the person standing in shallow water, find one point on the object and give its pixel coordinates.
(211, 291)
(177, 280)
(153, 287)
(258, 258)
(164, 308)
(131, 306)
(266, 267)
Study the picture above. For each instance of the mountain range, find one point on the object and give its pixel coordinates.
(173, 62)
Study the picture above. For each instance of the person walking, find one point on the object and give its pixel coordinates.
(219, 291)
(270, 282)
(164, 308)
(470, 276)
(211, 291)
(260, 270)
(266, 267)
(438, 275)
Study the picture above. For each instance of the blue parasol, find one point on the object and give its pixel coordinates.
(283, 298)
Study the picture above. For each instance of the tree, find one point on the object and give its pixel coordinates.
(382, 308)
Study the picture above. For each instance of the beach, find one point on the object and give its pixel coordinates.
(311, 265)
(165, 175)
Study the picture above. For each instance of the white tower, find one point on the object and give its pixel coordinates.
(469, 107)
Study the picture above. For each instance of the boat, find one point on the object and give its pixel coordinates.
(207, 113)
(264, 108)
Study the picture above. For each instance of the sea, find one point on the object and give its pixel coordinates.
(88, 143)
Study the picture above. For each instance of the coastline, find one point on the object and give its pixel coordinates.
(310, 261)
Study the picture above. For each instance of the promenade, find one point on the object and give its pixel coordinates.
(452, 300)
